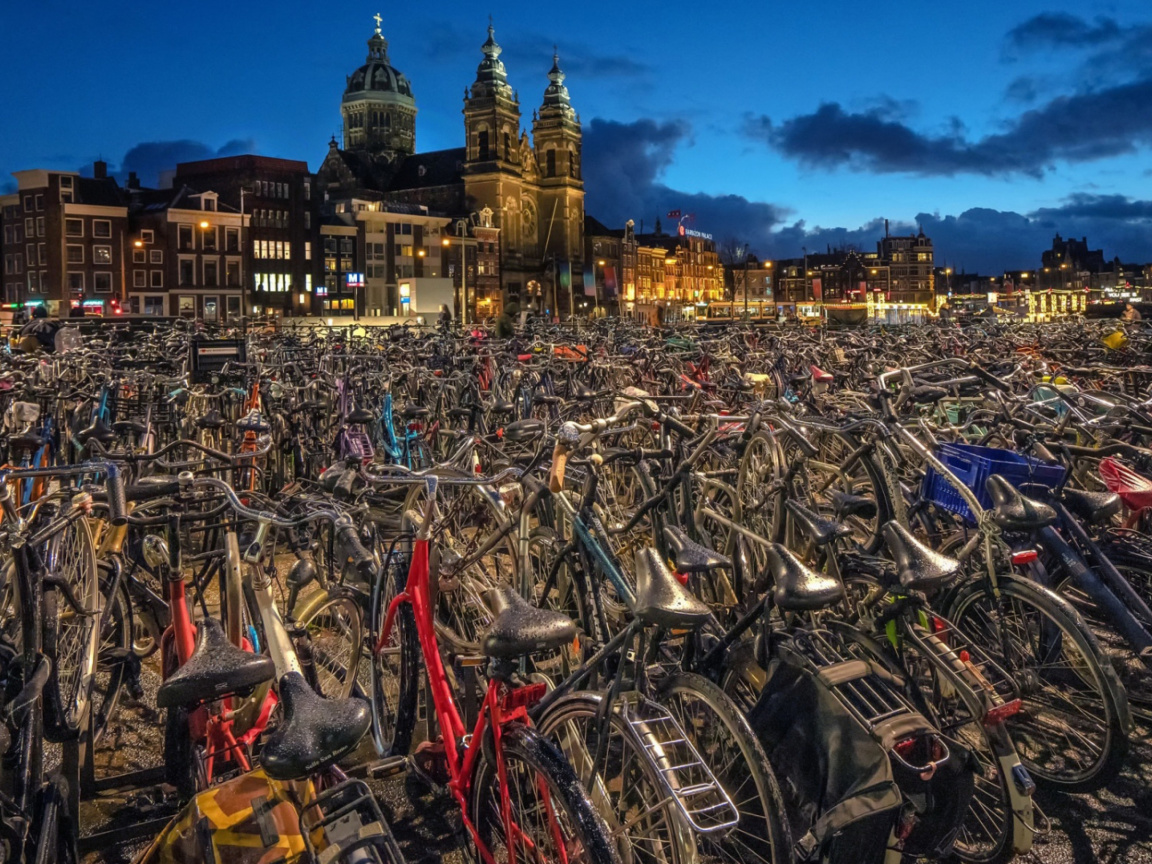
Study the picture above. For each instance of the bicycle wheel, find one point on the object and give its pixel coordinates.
(395, 665)
(623, 786)
(70, 640)
(551, 813)
(335, 639)
(115, 650)
(728, 745)
(1071, 731)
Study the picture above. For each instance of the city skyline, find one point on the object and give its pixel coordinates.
(994, 129)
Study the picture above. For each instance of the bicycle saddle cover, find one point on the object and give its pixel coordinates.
(660, 598)
(314, 732)
(797, 588)
(1093, 507)
(1012, 511)
(216, 669)
(520, 628)
(918, 567)
(822, 531)
(689, 556)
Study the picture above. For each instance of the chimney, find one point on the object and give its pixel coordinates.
(133, 180)
(100, 169)
(885, 227)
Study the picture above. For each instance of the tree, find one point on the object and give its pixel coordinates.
(733, 255)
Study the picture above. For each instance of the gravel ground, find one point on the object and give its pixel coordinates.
(1113, 826)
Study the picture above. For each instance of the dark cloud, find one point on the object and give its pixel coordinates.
(150, 158)
(1062, 30)
(623, 166)
(7, 187)
(1022, 89)
(1067, 128)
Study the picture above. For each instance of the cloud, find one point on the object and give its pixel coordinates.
(623, 167)
(7, 187)
(1022, 89)
(1062, 30)
(1065, 129)
(149, 158)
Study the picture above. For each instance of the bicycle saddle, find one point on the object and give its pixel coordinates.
(522, 431)
(121, 427)
(253, 421)
(1012, 511)
(820, 376)
(660, 598)
(99, 430)
(581, 392)
(797, 588)
(520, 628)
(211, 420)
(314, 732)
(918, 567)
(216, 669)
(1093, 507)
(822, 531)
(545, 399)
(847, 504)
(928, 394)
(689, 556)
(29, 438)
(360, 415)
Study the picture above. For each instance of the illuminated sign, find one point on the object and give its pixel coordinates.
(355, 280)
(690, 233)
(405, 289)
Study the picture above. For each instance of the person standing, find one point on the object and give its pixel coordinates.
(1131, 314)
(39, 334)
(445, 319)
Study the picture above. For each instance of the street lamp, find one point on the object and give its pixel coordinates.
(463, 276)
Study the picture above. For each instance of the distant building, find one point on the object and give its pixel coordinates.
(911, 261)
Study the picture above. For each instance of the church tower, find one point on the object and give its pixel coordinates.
(378, 108)
(557, 143)
(492, 112)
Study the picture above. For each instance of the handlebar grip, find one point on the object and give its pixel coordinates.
(117, 508)
(559, 465)
(681, 428)
(352, 549)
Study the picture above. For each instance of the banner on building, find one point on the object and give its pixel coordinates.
(565, 271)
(589, 280)
(817, 290)
(610, 286)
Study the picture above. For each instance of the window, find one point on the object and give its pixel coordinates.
(482, 145)
(307, 218)
(329, 244)
(139, 278)
(17, 263)
(211, 271)
(156, 256)
(287, 249)
(345, 245)
(232, 239)
(76, 282)
(156, 279)
(74, 227)
(74, 253)
(148, 236)
(27, 203)
(102, 283)
(404, 228)
(65, 182)
(209, 203)
(184, 237)
(307, 188)
(42, 249)
(39, 226)
(66, 196)
(308, 250)
(187, 269)
(33, 280)
(551, 163)
(507, 146)
(9, 234)
(209, 239)
(102, 228)
(39, 201)
(232, 273)
(139, 256)
(153, 305)
(101, 254)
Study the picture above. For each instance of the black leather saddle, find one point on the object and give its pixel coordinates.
(1012, 511)
(545, 399)
(689, 556)
(124, 427)
(314, 732)
(360, 415)
(216, 669)
(253, 421)
(29, 439)
(520, 628)
(661, 600)
(822, 531)
(847, 504)
(98, 431)
(522, 431)
(212, 419)
(1094, 508)
(412, 411)
(918, 567)
(798, 588)
(504, 407)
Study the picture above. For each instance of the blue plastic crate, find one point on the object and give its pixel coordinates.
(973, 466)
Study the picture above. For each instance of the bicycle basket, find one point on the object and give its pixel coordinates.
(973, 465)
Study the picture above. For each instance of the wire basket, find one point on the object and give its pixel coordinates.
(973, 465)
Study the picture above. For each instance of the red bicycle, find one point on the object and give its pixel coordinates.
(520, 798)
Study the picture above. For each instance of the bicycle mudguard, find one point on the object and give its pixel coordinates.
(248, 820)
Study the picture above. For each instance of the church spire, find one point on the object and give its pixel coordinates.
(377, 45)
(556, 98)
(491, 77)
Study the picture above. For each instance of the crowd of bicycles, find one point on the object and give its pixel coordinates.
(618, 594)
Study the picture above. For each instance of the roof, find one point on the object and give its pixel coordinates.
(159, 200)
(245, 162)
(593, 227)
(99, 191)
(435, 168)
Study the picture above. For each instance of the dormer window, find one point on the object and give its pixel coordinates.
(208, 203)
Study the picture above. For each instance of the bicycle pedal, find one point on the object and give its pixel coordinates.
(389, 766)
(431, 761)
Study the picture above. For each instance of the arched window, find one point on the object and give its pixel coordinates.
(507, 146)
(550, 171)
(387, 121)
(482, 145)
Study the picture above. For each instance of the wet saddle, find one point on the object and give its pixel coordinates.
(314, 732)
(521, 629)
(211, 420)
(661, 600)
(360, 415)
(917, 567)
(216, 669)
(523, 431)
(99, 431)
(1012, 511)
(689, 556)
(821, 531)
(1094, 508)
(253, 421)
(798, 588)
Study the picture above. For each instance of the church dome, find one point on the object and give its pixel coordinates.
(378, 79)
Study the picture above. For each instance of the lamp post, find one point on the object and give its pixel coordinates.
(463, 277)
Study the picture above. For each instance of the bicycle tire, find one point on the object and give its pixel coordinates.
(395, 668)
(762, 835)
(585, 828)
(1054, 619)
(335, 624)
(114, 652)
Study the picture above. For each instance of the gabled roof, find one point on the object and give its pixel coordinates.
(435, 168)
(159, 200)
(593, 227)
